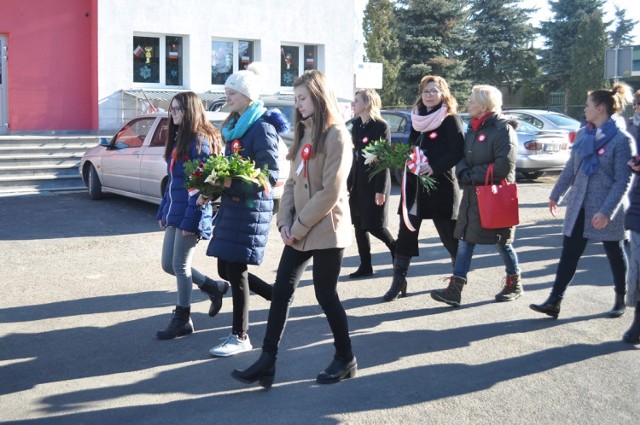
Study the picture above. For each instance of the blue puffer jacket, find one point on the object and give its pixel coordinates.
(177, 208)
(242, 224)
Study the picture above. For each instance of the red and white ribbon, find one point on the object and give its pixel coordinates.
(236, 146)
(416, 160)
(305, 154)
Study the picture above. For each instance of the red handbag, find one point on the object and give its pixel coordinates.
(497, 203)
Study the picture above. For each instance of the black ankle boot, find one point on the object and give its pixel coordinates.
(551, 307)
(618, 306)
(399, 282)
(362, 271)
(632, 336)
(263, 371)
(180, 324)
(215, 293)
(338, 370)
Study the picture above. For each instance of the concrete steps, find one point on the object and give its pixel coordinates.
(33, 163)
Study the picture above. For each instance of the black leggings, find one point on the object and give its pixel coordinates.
(241, 283)
(364, 244)
(407, 243)
(326, 270)
(572, 249)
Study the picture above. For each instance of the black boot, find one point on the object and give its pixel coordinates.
(399, 283)
(363, 271)
(180, 324)
(263, 371)
(215, 293)
(452, 294)
(632, 336)
(392, 250)
(618, 306)
(338, 370)
(551, 307)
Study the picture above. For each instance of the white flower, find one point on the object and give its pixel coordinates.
(369, 157)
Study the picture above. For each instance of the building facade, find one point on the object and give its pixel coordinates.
(93, 64)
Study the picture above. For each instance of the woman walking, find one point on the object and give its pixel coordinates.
(368, 197)
(190, 136)
(595, 180)
(244, 219)
(437, 130)
(490, 139)
(314, 224)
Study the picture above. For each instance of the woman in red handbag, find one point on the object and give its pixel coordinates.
(490, 139)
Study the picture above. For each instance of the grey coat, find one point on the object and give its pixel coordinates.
(603, 192)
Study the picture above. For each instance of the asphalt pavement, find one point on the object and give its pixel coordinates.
(83, 295)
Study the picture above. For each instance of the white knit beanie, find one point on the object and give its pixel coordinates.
(248, 82)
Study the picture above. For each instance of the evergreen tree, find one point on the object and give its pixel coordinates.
(432, 38)
(621, 35)
(381, 44)
(502, 52)
(587, 61)
(560, 36)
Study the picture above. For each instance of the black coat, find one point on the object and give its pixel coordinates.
(444, 147)
(362, 190)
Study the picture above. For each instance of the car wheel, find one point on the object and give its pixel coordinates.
(95, 187)
(532, 175)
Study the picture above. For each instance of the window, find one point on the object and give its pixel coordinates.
(229, 56)
(158, 60)
(294, 60)
(134, 133)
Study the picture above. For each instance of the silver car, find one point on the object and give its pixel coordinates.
(547, 120)
(131, 163)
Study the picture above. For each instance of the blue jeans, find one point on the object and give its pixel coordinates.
(465, 252)
(177, 253)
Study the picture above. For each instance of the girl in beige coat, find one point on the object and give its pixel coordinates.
(314, 222)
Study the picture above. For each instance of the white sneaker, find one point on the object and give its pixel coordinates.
(230, 346)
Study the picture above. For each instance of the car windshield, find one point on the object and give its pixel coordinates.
(561, 120)
(525, 127)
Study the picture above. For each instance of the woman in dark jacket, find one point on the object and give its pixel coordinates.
(244, 219)
(438, 131)
(368, 196)
(190, 136)
(490, 139)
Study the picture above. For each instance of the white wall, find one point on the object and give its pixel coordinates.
(327, 23)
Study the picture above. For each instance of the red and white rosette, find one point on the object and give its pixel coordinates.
(236, 146)
(305, 154)
(416, 160)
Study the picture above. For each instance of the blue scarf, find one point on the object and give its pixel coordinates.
(587, 146)
(235, 129)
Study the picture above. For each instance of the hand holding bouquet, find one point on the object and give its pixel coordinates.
(380, 155)
(208, 177)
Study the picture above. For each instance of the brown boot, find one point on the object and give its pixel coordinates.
(452, 294)
(511, 290)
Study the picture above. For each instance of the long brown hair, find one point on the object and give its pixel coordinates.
(372, 102)
(194, 124)
(326, 112)
(614, 100)
(447, 97)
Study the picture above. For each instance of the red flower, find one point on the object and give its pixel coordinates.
(433, 136)
(365, 140)
(482, 137)
(236, 146)
(601, 151)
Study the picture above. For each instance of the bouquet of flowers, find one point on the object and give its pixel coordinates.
(208, 177)
(380, 155)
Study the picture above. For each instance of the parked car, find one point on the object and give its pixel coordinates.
(539, 151)
(547, 120)
(400, 126)
(131, 163)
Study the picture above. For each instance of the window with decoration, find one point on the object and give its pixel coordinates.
(294, 60)
(158, 60)
(229, 56)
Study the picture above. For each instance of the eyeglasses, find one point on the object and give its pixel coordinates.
(176, 109)
(432, 92)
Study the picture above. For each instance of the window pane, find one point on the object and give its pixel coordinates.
(245, 54)
(310, 57)
(289, 58)
(173, 66)
(146, 63)
(221, 61)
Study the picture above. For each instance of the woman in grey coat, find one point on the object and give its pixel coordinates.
(596, 180)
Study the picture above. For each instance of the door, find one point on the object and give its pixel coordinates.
(4, 103)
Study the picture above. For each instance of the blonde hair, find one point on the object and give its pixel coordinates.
(488, 96)
(372, 102)
(447, 97)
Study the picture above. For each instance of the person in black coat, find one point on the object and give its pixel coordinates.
(438, 131)
(368, 196)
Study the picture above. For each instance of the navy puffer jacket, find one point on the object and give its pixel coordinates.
(177, 208)
(242, 224)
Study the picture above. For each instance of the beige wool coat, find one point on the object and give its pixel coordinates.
(316, 207)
